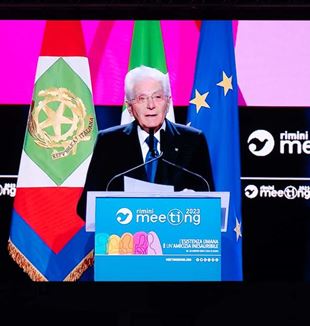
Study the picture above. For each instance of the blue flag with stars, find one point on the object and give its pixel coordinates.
(213, 109)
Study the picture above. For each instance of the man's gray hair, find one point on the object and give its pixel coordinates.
(141, 73)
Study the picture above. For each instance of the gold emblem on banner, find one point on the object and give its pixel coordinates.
(58, 122)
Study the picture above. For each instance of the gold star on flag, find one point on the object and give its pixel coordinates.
(226, 83)
(237, 229)
(199, 100)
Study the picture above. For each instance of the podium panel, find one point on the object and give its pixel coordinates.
(152, 237)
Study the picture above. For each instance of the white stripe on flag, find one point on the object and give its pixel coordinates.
(170, 114)
(78, 177)
(126, 117)
(30, 175)
(80, 65)
(43, 64)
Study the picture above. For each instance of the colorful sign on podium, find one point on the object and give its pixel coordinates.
(157, 238)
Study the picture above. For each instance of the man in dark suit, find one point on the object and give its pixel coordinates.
(182, 152)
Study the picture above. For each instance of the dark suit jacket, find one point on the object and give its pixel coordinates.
(117, 149)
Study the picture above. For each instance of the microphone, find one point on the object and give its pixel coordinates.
(132, 169)
(162, 144)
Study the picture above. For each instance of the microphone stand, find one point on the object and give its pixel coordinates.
(188, 171)
(132, 169)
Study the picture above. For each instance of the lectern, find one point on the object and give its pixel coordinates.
(157, 237)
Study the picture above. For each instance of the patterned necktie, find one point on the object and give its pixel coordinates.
(151, 167)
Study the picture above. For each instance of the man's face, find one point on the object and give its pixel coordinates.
(150, 105)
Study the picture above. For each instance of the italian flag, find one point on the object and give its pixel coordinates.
(47, 237)
(147, 48)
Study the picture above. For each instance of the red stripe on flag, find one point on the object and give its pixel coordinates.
(63, 38)
(51, 213)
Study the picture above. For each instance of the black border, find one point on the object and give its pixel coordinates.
(160, 9)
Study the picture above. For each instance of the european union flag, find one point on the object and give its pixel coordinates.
(214, 109)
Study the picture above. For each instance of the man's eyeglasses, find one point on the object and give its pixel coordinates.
(157, 98)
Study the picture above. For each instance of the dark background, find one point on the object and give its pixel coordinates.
(155, 9)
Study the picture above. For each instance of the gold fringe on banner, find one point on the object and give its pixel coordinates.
(23, 263)
(36, 276)
(81, 268)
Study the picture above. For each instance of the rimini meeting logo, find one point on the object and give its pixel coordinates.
(272, 191)
(261, 142)
(174, 216)
(251, 191)
(124, 215)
